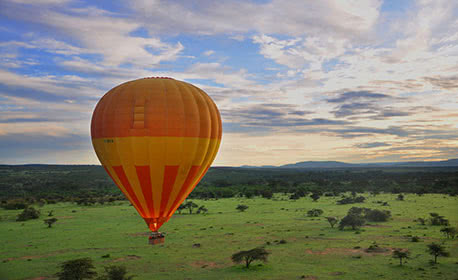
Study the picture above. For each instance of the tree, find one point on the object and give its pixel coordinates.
(241, 207)
(400, 197)
(352, 220)
(202, 209)
(181, 208)
(115, 272)
(314, 212)
(249, 256)
(77, 269)
(50, 213)
(332, 221)
(315, 196)
(450, 232)
(438, 220)
(28, 214)
(49, 222)
(190, 205)
(437, 250)
(401, 254)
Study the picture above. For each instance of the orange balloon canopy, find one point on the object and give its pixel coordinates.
(156, 138)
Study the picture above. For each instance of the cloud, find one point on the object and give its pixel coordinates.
(273, 17)
(271, 116)
(446, 83)
(372, 145)
(96, 31)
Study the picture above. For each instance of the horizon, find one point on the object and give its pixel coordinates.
(371, 83)
(362, 163)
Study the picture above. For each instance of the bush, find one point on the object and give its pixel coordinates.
(115, 272)
(415, 239)
(28, 214)
(314, 212)
(377, 215)
(241, 207)
(352, 220)
(77, 269)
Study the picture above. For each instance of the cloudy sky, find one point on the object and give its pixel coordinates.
(354, 81)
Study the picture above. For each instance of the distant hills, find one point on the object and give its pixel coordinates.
(339, 164)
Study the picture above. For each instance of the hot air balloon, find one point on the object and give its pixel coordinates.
(156, 139)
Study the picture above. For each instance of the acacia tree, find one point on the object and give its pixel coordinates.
(77, 269)
(437, 250)
(401, 254)
(202, 209)
(450, 232)
(49, 222)
(251, 255)
(332, 221)
(190, 205)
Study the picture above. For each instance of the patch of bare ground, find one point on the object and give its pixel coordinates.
(38, 278)
(127, 258)
(204, 264)
(64, 217)
(348, 251)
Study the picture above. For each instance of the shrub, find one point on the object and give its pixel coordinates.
(115, 272)
(28, 214)
(377, 215)
(314, 212)
(241, 207)
(77, 269)
(352, 220)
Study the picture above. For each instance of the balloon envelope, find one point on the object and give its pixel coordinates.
(156, 138)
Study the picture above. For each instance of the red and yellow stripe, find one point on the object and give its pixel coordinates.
(156, 138)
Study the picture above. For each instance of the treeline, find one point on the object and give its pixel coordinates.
(91, 184)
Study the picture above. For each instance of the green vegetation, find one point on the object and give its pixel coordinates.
(114, 234)
(256, 254)
(401, 254)
(89, 184)
(77, 269)
(437, 250)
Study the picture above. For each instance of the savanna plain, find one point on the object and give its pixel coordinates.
(200, 246)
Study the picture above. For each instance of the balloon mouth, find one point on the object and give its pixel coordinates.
(169, 78)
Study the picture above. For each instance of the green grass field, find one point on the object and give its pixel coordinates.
(313, 250)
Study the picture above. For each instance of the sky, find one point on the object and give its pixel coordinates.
(355, 81)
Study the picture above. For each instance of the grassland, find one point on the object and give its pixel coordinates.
(313, 250)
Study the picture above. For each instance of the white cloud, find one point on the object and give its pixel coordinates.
(342, 18)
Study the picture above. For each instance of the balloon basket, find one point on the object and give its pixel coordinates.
(156, 238)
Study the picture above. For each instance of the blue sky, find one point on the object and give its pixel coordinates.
(355, 81)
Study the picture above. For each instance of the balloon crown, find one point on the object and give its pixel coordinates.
(158, 78)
